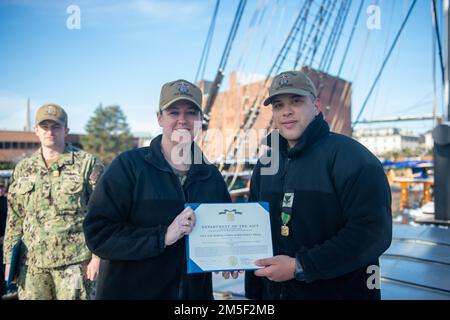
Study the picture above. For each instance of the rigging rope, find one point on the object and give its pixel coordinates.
(385, 62)
(207, 45)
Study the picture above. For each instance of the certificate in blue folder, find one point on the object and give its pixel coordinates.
(228, 236)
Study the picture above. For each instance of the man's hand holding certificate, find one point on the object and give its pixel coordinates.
(229, 236)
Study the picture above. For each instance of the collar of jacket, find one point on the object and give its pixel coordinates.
(317, 129)
(196, 172)
(66, 158)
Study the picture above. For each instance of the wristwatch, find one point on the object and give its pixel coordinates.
(299, 274)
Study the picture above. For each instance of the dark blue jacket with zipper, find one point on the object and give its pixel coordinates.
(134, 202)
(341, 221)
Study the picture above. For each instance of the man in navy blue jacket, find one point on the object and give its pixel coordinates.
(330, 205)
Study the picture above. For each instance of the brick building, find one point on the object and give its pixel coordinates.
(232, 105)
(16, 145)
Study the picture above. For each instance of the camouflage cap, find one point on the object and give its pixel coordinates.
(52, 112)
(180, 90)
(291, 82)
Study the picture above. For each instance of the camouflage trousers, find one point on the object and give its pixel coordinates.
(62, 283)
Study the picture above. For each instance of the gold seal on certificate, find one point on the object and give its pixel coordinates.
(229, 236)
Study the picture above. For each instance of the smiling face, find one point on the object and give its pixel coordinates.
(292, 114)
(178, 121)
(51, 134)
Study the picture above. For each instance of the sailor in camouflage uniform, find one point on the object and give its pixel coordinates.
(47, 205)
